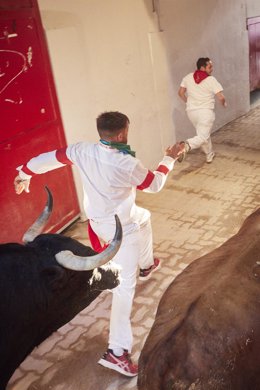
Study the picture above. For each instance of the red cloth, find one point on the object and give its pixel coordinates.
(94, 240)
(199, 76)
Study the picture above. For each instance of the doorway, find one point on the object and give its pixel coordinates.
(253, 26)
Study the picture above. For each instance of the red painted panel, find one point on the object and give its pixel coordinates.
(30, 123)
(254, 52)
(24, 93)
(15, 4)
(18, 212)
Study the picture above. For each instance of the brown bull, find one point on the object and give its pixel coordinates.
(206, 333)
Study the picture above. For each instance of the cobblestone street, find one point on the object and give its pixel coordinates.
(201, 207)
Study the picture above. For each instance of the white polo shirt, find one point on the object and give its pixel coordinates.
(201, 95)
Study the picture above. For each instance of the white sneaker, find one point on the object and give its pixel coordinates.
(209, 157)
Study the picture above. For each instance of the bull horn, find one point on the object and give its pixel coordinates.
(40, 223)
(78, 263)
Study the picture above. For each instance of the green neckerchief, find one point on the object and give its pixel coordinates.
(123, 148)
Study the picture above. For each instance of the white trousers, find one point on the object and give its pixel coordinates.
(202, 120)
(136, 249)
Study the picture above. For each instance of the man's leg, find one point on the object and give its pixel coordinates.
(120, 327)
(207, 146)
(120, 336)
(203, 121)
(147, 263)
(146, 245)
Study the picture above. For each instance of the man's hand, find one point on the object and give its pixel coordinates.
(21, 185)
(174, 151)
(221, 99)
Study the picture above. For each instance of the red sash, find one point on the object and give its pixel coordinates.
(94, 240)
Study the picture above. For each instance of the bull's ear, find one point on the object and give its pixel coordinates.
(55, 276)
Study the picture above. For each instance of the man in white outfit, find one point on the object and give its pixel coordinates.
(198, 91)
(110, 175)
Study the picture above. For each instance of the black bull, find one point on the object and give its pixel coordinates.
(206, 333)
(38, 295)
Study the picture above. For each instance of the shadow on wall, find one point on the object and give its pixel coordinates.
(183, 127)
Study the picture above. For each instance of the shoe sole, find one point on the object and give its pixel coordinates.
(150, 274)
(114, 367)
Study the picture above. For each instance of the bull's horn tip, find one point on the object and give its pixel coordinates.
(47, 189)
(50, 198)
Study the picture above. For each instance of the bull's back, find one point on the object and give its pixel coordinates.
(207, 327)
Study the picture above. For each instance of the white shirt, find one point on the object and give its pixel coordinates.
(201, 95)
(109, 178)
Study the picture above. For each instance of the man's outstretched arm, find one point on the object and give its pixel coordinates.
(153, 181)
(37, 165)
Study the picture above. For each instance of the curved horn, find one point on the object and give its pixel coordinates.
(38, 226)
(78, 263)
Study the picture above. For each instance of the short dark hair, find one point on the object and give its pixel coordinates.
(202, 62)
(111, 123)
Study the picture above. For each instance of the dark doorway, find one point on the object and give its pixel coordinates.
(255, 98)
(253, 25)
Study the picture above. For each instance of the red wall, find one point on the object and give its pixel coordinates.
(253, 25)
(30, 122)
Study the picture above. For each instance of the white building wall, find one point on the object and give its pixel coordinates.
(215, 29)
(252, 8)
(116, 55)
(108, 55)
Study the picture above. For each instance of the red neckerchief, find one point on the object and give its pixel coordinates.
(199, 75)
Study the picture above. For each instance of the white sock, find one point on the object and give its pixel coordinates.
(118, 351)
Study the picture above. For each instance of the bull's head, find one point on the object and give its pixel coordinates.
(66, 258)
(38, 295)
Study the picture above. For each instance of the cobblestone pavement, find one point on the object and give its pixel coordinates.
(201, 206)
